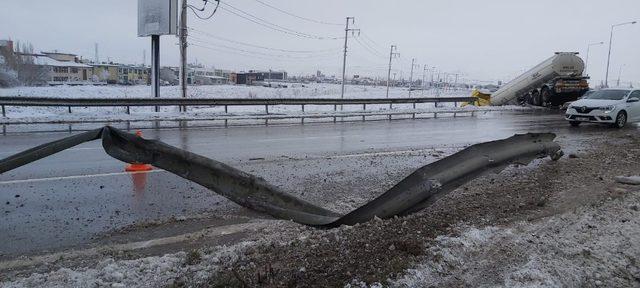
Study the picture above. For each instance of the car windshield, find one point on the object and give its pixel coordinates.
(607, 95)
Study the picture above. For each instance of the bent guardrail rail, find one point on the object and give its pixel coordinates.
(416, 192)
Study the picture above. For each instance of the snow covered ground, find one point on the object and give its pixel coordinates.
(221, 91)
(295, 90)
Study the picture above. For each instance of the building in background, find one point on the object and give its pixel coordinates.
(200, 75)
(105, 73)
(60, 72)
(133, 75)
(251, 77)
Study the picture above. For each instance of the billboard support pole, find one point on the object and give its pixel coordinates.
(155, 67)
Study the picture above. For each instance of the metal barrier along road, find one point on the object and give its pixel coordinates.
(185, 102)
(416, 192)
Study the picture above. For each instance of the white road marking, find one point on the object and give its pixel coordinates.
(74, 177)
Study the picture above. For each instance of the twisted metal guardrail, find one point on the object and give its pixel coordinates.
(414, 193)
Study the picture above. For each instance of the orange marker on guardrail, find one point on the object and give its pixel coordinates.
(138, 167)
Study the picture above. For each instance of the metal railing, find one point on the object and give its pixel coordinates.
(185, 102)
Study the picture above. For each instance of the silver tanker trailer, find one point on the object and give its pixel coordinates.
(551, 83)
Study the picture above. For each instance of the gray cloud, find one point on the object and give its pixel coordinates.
(487, 40)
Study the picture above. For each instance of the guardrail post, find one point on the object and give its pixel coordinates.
(226, 109)
(390, 108)
(266, 108)
(364, 108)
(455, 104)
(335, 109)
(69, 109)
(128, 109)
(4, 112)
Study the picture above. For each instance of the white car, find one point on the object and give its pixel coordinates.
(615, 107)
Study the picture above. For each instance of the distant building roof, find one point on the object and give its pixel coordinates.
(47, 61)
(212, 77)
(58, 53)
(103, 65)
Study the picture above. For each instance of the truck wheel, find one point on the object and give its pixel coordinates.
(574, 123)
(535, 99)
(546, 96)
(621, 120)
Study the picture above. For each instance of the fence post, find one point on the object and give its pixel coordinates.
(69, 107)
(226, 109)
(266, 108)
(4, 112)
(335, 109)
(128, 109)
(390, 108)
(364, 108)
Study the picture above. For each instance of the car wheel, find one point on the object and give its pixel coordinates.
(621, 120)
(535, 99)
(546, 96)
(574, 123)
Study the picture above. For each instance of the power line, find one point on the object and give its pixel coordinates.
(296, 16)
(254, 56)
(206, 34)
(261, 53)
(193, 9)
(368, 49)
(272, 26)
(234, 50)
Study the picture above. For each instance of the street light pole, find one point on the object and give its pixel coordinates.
(586, 65)
(606, 79)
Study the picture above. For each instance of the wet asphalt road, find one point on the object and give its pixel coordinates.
(69, 198)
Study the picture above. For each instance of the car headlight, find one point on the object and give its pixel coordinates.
(608, 109)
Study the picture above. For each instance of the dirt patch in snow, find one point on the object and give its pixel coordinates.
(508, 207)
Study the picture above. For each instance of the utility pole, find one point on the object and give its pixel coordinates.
(413, 64)
(391, 55)
(344, 60)
(619, 75)
(183, 51)
(424, 74)
(97, 59)
(455, 84)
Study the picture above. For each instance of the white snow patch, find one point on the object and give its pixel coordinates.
(589, 247)
(156, 271)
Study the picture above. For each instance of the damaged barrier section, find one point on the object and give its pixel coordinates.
(416, 192)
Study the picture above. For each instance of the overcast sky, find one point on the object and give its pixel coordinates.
(485, 40)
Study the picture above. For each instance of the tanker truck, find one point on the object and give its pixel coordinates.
(553, 82)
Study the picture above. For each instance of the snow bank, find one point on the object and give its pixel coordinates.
(596, 246)
(144, 272)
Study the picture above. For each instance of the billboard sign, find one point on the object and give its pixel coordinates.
(157, 17)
